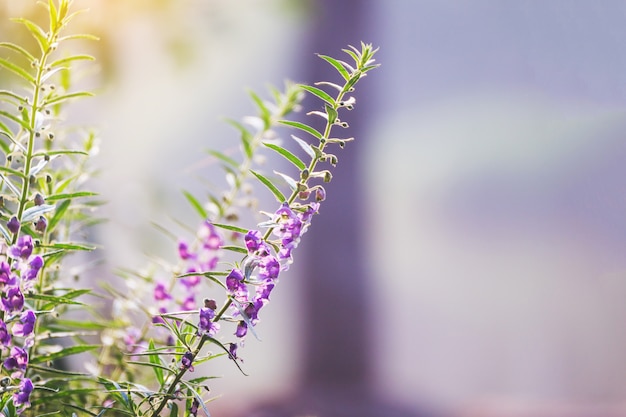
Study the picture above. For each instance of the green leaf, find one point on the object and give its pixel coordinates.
(38, 33)
(59, 99)
(305, 146)
(12, 172)
(18, 49)
(35, 211)
(9, 184)
(332, 61)
(68, 246)
(232, 248)
(69, 59)
(196, 204)
(58, 214)
(5, 233)
(73, 350)
(12, 95)
(279, 196)
(54, 22)
(287, 155)
(303, 127)
(221, 345)
(79, 36)
(224, 158)
(332, 114)
(52, 299)
(231, 228)
(60, 152)
(266, 115)
(319, 93)
(16, 69)
(17, 120)
(246, 137)
(293, 184)
(69, 196)
(155, 360)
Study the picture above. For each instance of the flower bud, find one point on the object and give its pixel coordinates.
(13, 225)
(39, 200)
(41, 224)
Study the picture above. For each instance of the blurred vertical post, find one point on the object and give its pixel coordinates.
(337, 305)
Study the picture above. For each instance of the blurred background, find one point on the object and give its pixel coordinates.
(470, 258)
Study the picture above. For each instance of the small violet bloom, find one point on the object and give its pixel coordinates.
(21, 398)
(207, 325)
(16, 361)
(187, 361)
(5, 336)
(236, 286)
(183, 251)
(26, 325)
(34, 265)
(14, 300)
(160, 292)
(6, 277)
(23, 248)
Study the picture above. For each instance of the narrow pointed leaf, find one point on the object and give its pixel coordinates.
(12, 172)
(287, 155)
(54, 17)
(196, 204)
(303, 127)
(34, 212)
(9, 184)
(232, 248)
(305, 146)
(277, 193)
(265, 113)
(231, 228)
(69, 196)
(38, 33)
(290, 181)
(226, 159)
(17, 120)
(73, 350)
(58, 214)
(319, 93)
(65, 97)
(332, 61)
(16, 69)
(69, 59)
(18, 49)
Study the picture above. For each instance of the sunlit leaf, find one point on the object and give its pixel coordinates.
(277, 193)
(303, 127)
(319, 93)
(286, 154)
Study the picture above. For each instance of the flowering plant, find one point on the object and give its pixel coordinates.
(141, 356)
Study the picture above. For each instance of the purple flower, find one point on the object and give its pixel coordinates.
(263, 291)
(187, 361)
(26, 325)
(207, 325)
(209, 236)
(22, 396)
(160, 292)
(13, 225)
(253, 240)
(192, 280)
(14, 300)
(23, 248)
(232, 349)
(189, 303)
(269, 268)
(242, 329)
(17, 360)
(236, 286)
(183, 251)
(5, 337)
(193, 410)
(6, 277)
(34, 265)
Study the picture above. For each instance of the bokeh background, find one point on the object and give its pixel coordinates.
(470, 260)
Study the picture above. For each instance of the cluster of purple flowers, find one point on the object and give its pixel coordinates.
(251, 285)
(18, 274)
